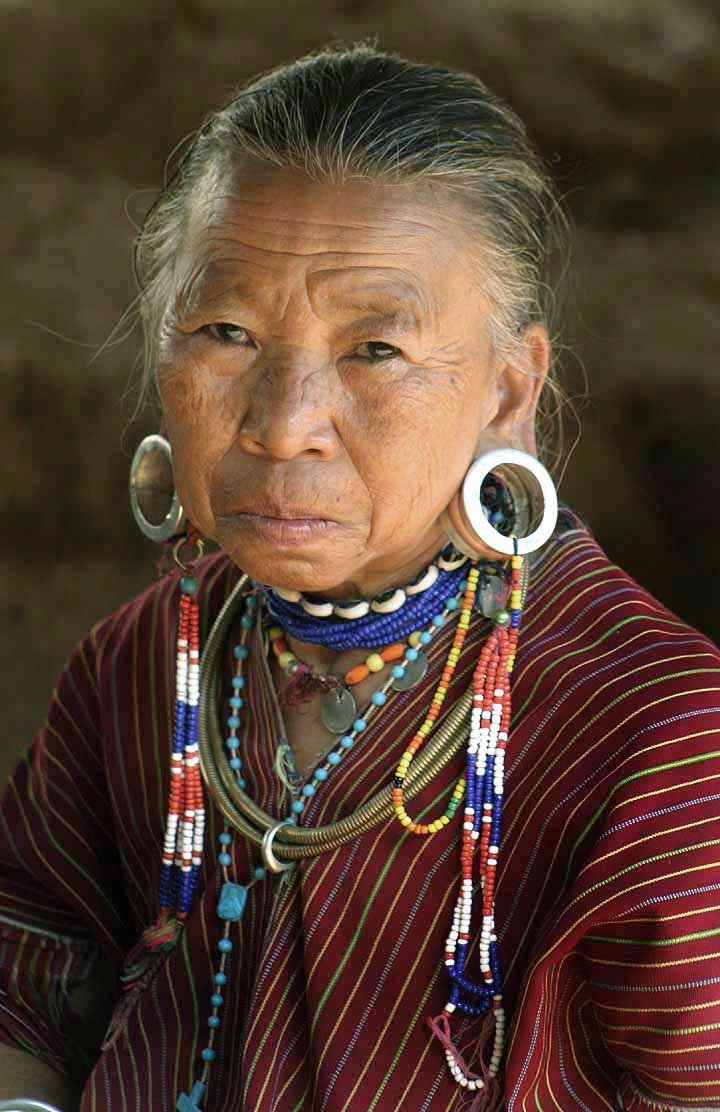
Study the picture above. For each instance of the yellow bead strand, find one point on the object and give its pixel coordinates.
(431, 718)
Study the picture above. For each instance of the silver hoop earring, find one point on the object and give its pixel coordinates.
(531, 493)
(154, 501)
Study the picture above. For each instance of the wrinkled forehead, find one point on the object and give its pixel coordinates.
(256, 224)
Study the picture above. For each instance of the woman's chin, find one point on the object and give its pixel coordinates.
(296, 571)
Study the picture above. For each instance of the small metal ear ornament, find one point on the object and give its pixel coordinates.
(153, 498)
(505, 491)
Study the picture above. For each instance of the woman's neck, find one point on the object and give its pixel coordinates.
(328, 661)
(381, 574)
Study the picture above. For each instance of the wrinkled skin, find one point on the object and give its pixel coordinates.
(328, 356)
(312, 403)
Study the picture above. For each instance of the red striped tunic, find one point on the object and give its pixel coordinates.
(608, 894)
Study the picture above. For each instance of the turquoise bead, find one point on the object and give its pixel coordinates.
(236, 701)
(241, 783)
(213, 1021)
(246, 621)
(425, 637)
(260, 872)
(397, 672)
(208, 1054)
(238, 682)
(216, 1000)
(378, 698)
(359, 725)
(241, 652)
(235, 764)
(309, 789)
(438, 620)
(220, 978)
(347, 742)
(233, 743)
(231, 904)
(225, 839)
(452, 604)
(188, 585)
(233, 722)
(298, 806)
(333, 758)
(411, 654)
(193, 1102)
(224, 859)
(321, 774)
(225, 945)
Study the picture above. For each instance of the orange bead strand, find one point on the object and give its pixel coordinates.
(431, 717)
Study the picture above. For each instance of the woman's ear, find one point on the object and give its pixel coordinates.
(519, 383)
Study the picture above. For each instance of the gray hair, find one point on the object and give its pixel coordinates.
(357, 110)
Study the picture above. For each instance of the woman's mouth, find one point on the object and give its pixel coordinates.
(285, 531)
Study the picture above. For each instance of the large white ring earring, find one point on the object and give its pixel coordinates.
(533, 493)
(154, 501)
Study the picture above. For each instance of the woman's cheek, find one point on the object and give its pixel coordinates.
(191, 481)
(197, 434)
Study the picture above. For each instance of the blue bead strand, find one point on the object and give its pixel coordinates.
(231, 903)
(373, 630)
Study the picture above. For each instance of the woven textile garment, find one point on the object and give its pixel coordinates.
(608, 899)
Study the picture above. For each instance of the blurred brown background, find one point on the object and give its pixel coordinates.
(623, 97)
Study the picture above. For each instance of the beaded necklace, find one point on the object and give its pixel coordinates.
(376, 628)
(338, 707)
(481, 786)
(185, 828)
(484, 777)
(293, 667)
(387, 602)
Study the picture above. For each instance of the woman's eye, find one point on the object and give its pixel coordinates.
(226, 333)
(379, 351)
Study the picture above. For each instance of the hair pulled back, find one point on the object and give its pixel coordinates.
(360, 111)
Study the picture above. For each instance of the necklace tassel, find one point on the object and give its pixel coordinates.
(304, 683)
(163, 933)
(484, 1086)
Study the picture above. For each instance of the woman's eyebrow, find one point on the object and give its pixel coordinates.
(208, 285)
(391, 304)
(399, 320)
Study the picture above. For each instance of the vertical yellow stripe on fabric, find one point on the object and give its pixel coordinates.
(364, 914)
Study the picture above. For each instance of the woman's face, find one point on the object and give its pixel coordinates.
(327, 376)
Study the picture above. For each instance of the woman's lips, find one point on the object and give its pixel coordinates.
(286, 531)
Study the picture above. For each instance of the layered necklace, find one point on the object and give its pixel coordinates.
(399, 626)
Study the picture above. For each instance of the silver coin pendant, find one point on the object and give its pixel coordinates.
(415, 670)
(338, 710)
(491, 595)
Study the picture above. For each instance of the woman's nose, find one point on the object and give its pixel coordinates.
(290, 414)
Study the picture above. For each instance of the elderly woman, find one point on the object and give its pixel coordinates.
(378, 886)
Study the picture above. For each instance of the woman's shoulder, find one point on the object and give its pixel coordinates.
(617, 706)
(617, 668)
(579, 597)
